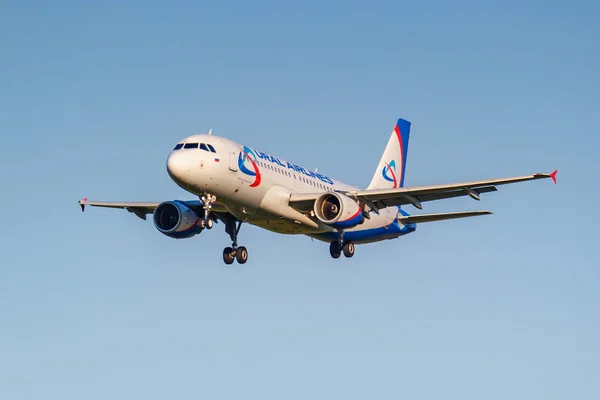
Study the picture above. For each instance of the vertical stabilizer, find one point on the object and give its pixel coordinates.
(392, 166)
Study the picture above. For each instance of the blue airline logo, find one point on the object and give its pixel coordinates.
(254, 155)
(247, 156)
(390, 169)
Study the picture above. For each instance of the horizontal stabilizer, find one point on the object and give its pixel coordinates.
(416, 219)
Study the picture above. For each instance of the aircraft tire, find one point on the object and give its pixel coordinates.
(228, 255)
(202, 223)
(348, 249)
(209, 223)
(241, 254)
(335, 249)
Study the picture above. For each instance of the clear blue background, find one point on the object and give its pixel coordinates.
(93, 96)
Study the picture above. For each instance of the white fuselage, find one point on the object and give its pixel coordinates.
(255, 187)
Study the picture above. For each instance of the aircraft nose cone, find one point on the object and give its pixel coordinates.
(177, 167)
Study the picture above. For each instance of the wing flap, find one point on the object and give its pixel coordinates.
(399, 200)
(416, 219)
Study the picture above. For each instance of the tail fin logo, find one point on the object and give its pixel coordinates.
(390, 169)
(247, 156)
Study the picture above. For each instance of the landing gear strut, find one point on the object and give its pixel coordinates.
(230, 254)
(208, 201)
(338, 246)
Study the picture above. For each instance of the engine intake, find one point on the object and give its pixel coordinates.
(338, 211)
(176, 220)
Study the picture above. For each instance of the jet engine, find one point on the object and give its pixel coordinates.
(176, 220)
(338, 211)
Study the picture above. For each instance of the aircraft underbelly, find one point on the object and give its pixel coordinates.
(276, 223)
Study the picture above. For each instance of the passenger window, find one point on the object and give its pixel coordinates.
(191, 146)
(179, 145)
(212, 149)
(203, 147)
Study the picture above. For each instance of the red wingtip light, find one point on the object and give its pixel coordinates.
(553, 176)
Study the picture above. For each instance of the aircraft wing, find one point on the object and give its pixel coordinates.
(377, 199)
(141, 209)
(417, 219)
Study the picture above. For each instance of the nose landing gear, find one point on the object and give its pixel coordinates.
(208, 201)
(206, 222)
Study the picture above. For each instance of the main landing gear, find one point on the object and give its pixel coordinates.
(337, 247)
(230, 254)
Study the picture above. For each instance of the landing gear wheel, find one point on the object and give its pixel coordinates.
(241, 255)
(335, 249)
(209, 223)
(348, 249)
(202, 223)
(228, 255)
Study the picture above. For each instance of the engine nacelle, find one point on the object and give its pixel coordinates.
(176, 220)
(338, 211)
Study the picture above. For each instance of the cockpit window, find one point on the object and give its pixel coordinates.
(203, 147)
(191, 146)
(211, 148)
(179, 145)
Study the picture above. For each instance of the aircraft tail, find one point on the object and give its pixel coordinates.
(392, 166)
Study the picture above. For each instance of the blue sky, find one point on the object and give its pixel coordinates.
(93, 97)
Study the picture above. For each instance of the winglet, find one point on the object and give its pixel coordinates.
(82, 203)
(553, 176)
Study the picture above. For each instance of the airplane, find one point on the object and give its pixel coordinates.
(237, 184)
